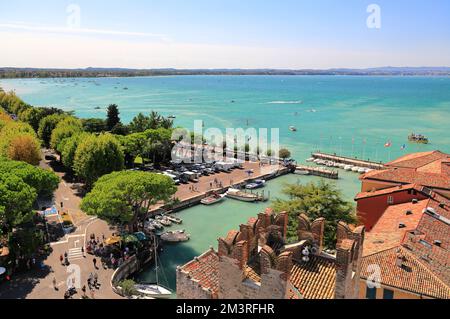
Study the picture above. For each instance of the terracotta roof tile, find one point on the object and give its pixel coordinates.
(413, 276)
(388, 191)
(315, 279)
(204, 269)
(416, 160)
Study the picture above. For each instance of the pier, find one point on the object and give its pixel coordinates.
(348, 160)
(188, 199)
(318, 171)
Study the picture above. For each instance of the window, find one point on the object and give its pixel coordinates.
(390, 200)
(371, 293)
(388, 294)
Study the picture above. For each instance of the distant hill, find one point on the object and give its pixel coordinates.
(8, 72)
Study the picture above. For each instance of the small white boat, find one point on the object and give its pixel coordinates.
(355, 169)
(330, 164)
(348, 167)
(157, 225)
(176, 236)
(153, 290)
(316, 160)
(321, 162)
(292, 128)
(368, 170)
(213, 199)
(256, 184)
(309, 160)
(301, 172)
(342, 165)
(242, 196)
(337, 165)
(174, 219)
(362, 170)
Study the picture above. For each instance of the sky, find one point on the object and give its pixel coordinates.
(282, 34)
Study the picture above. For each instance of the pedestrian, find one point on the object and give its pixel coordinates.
(95, 262)
(82, 251)
(54, 284)
(103, 237)
(84, 290)
(61, 259)
(95, 280)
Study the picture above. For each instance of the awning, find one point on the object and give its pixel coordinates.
(113, 240)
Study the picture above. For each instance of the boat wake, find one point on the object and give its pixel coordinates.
(285, 102)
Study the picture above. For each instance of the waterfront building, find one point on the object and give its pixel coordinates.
(255, 263)
(429, 169)
(408, 229)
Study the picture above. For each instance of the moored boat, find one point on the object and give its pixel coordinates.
(348, 167)
(418, 138)
(301, 172)
(242, 196)
(213, 199)
(355, 169)
(174, 219)
(176, 236)
(256, 184)
(153, 290)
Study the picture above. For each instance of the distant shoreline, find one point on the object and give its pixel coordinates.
(26, 73)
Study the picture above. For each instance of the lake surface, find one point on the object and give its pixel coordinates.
(353, 116)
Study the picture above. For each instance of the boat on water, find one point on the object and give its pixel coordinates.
(164, 221)
(242, 196)
(309, 160)
(176, 236)
(153, 290)
(172, 117)
(418, 138)
(355, 169)
(301, 172)
(348, 167)
(157, 225)
(362, 170)
(213, 199)
(174, 219)
(258, 183)
(292, 128)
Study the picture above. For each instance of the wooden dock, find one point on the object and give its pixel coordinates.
(348, 160)
(318, 171)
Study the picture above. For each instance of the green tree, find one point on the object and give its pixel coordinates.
(34, 115)
(94, 125)
(18, 141)
(47, 125)
(96, 156)
(284, 153)
(44, 182)
(124, 198)
(140, 123)
(112, 118)
(69, 148)
(16, 198)
(316, 200)
(64, 129)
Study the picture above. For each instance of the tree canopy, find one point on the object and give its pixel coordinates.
(96, 156)
(112, 118)
(121, 198)
(316, 200)
(18, 141)
(47, 125)
(64, 129)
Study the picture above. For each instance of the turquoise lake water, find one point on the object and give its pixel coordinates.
(353, 116)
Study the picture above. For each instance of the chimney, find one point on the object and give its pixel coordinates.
(284, 264)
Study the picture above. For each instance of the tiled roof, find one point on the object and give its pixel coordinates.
(413, 276)
(388, 191)
(416, 160)
(410, 176)
(315, 279)
(204, 269)
(386, 233)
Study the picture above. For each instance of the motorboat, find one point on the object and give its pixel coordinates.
(153, 290)
(362, 170)
(348, 167)
(309, 160)
(355, 169)
(165, 221)
(292, 128)
(176, 236)
(302, 172)
(213, 199)
(174, 219)
(258, 183)
(242, 196)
